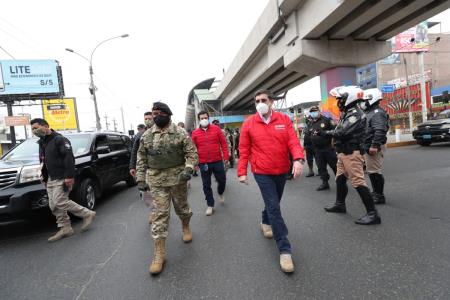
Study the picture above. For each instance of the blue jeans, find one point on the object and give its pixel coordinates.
(271, 187)
(216, 168)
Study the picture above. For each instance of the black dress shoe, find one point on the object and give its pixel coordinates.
(369, 219)
(323, 186)
(378, 199)
(310, 174)
(336, 209)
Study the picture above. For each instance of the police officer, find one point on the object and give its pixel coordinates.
(58, 171)
(324, 151)
(308, 146)
(348, 136)
(377, 126)
(168, 156)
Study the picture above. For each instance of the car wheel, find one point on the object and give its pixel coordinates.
(86, 193)
(131, 181)
(423, 143)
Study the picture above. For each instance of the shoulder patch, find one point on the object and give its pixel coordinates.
(352, 119)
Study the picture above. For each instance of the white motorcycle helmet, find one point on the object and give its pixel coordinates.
(347, 95)
(373, 96)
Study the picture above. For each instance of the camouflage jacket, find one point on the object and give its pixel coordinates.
(172, 139)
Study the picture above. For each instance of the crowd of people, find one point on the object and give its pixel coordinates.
(165, 156)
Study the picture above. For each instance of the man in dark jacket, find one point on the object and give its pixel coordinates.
(148, 120)
(377, 126)
(58, 170)
(348, 136)
(324, 151)
(309, 148)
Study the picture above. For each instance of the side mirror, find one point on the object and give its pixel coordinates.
(102, 150)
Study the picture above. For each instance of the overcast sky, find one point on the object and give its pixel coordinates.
(173, 45)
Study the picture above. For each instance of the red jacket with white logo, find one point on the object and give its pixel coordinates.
(211, 143)
(267, 146)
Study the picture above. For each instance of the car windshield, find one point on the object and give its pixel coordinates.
(443, 115)
(29, 149)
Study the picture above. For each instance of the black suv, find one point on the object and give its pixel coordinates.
(437, 130)
(101, 160)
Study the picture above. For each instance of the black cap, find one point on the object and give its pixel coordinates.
(314, 108)
(162, 107)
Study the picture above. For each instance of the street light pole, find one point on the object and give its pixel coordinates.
(92, 87)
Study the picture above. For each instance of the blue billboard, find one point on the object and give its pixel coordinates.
(366, 76)
(19, 77)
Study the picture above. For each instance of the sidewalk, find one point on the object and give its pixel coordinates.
(405, 140)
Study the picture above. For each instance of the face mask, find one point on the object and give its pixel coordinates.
(314, 114)
(363, 105)
(161, 121)
(149, 123)
(39, 132)
(204, 123)
(341, 104)
(262, 108)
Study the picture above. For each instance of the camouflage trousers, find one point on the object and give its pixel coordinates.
(162, 196)
(60, 204)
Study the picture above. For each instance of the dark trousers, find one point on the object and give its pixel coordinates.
(310, 156)
(325, 157)
(216, 168)
(271, 187)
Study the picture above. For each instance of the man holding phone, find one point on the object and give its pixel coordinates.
(58, 170)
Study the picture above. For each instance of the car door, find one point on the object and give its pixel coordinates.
(121, 157)
(102, 160)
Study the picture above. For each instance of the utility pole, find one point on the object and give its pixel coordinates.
(115, 124)
(123, 119)
(9, 103)
(423, 88)
(106, 122)
(408, 96)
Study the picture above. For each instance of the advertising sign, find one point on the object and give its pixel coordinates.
(61, 114)
(413, 79)
(17, 121)
(387, 88)
(366, 77)
(420, 35)
(29, 77)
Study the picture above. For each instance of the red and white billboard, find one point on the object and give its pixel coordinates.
(419, 37)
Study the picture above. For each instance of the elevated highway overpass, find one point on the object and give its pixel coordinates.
(295, 40)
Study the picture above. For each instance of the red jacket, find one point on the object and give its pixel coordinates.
(267, 146)
(211, 143)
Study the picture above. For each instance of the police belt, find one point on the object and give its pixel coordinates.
(160, 160)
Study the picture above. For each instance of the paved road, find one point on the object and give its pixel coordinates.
(407, 257)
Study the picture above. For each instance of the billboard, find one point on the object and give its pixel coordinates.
(24, 77)
(420, 35)
(61, 114)
(17, 120)
(366, 77)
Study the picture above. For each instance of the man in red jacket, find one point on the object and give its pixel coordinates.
(213, 154)
(267, 138)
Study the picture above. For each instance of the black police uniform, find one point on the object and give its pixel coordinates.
(348, 136)
(324, 151)
(308, 145)
(377, 127)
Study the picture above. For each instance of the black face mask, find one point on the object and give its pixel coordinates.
(341, 104)
(161, 121)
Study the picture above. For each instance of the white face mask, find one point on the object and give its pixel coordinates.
(262, 108)
(204, 122)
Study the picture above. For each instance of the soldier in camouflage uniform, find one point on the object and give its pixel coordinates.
(167, 156)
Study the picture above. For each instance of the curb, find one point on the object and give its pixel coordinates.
(401, 144)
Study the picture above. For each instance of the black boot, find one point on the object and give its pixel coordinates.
(310, 173)
(372, 216)
(341, 194)
(377, 181)
(323, 186)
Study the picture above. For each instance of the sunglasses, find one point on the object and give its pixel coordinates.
(261, 100)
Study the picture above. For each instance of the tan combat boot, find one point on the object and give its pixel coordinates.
(159, 257)
(88, 220)
(187, 234)
(266, 231)
(63, 232)
(286, 263)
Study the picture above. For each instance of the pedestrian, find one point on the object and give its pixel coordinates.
(308, 145)
(323, 149)
(377, 127)
(236, 138)
(348, 136)
(167, 157)
(213, 157)
(148, 120)
(230, 141)
(267, 139)
(58, 171)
